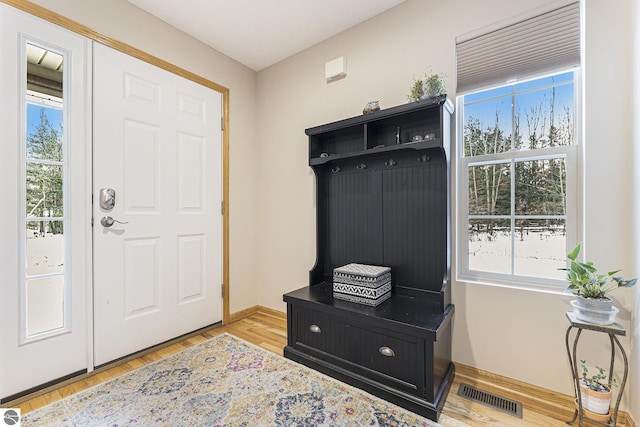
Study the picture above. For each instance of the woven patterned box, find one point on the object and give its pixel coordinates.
(361, 283)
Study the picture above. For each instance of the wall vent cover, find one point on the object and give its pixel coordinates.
(491, 400)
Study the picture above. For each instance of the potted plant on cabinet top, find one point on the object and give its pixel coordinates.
(592, 305)
(594, 394)
(428, 85)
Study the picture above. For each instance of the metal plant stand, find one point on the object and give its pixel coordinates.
(611, 330)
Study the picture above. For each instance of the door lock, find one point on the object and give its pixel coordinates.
(107, 198)
(107, 221)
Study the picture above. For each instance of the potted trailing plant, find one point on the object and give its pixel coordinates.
(591, 288)
(434, 85)
(428, 85)
(595, 394)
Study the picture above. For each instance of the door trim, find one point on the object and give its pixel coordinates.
(91, 34)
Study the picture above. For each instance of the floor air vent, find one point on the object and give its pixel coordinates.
(491, 400)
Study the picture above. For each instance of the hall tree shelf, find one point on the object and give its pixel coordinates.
(382, 199)
(379, 132)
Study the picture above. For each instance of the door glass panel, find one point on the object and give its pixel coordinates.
(44, 275)
(45, 248)
(45, 304)
(44, 190)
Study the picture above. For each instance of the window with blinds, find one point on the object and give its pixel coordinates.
(517, 161)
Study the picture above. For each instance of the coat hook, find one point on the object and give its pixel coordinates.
(336, 169)
(361, 166)
(390, 162)
(424, 158)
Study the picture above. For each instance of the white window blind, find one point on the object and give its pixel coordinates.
(547, 42)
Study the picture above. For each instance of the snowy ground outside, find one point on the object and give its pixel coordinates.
(45, 296)
(538, 254)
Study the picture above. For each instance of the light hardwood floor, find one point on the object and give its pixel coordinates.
(269, 331)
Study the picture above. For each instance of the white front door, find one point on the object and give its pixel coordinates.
(158, 146)
(45, 204)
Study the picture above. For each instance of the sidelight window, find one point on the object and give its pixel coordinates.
(44, 290)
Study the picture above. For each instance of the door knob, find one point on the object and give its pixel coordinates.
(107, 221)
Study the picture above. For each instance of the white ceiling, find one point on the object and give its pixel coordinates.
(260, 33)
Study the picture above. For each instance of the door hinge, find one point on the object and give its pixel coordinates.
(221, 123)
(222, 207)
(222, 290)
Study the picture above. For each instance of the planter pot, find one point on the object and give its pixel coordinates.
(592, 415)
(595, 304)
(597, 402)
(583, 309)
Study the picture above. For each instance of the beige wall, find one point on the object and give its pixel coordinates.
(516, 333)
(122, 21)
(609, 152)
(634, 359)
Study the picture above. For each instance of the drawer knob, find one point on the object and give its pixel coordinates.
(315, 329)
(386, 351)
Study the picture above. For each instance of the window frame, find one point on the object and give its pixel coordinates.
(572, 154)
(36, 98)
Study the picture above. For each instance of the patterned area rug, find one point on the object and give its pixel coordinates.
(223, 381)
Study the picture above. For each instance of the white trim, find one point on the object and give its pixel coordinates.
(518, 155)
(22, 189)
(38, 98)
(88, 202)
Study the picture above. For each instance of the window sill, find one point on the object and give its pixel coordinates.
(520, 284)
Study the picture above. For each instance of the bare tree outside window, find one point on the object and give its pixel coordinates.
(516, 169)
(44, 180)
